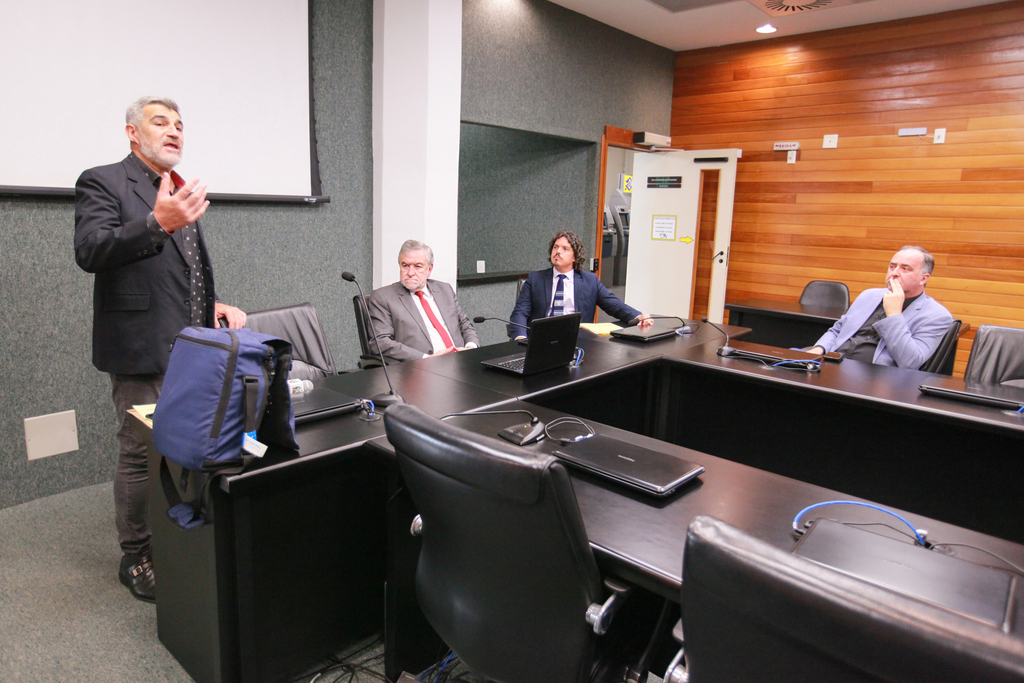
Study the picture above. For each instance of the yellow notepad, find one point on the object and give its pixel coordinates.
(600, 329)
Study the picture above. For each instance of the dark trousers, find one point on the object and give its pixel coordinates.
(131, 487)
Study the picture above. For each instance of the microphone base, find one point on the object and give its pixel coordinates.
(726, 351)
(384, 400)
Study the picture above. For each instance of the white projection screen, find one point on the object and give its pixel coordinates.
(238, 69)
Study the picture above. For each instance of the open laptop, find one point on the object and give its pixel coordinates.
(1002, 396)
(662, 329)
(552, 345)
(320, 403)
(651, 471)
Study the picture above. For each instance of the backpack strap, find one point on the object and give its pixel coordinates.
(183, 515)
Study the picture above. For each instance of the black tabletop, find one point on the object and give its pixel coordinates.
(641, 538)
(434, 394)
(788, 309)
(891, 388)
(602, 355)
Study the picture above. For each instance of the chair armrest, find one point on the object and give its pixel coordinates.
(676, 671)
(600, 616)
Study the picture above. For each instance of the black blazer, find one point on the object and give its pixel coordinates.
(141, 294)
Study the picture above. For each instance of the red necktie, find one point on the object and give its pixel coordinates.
(435, 322)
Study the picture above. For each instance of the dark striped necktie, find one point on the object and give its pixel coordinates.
(557, 304)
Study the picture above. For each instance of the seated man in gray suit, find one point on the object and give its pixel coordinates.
(416, 317)
(893, 325)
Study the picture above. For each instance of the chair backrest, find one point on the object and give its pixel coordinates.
(942, 359)
(754, 612)
(362, 325)
(825, 293)
(300, 325)
(997, 356)
(505, 573)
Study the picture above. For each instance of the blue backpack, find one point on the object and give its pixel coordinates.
(220, 386)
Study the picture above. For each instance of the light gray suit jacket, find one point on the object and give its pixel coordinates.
(401, 330)
(908, 339)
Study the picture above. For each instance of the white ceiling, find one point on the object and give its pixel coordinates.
(734, 21)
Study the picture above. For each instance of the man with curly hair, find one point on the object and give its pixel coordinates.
(566, 288)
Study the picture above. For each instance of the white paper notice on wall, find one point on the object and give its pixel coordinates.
(663, 227)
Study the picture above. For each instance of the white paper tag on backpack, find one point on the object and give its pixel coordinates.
(251, 445)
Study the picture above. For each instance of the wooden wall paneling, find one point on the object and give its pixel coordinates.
(841, 213)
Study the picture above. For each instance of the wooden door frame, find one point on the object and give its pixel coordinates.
(622, 139)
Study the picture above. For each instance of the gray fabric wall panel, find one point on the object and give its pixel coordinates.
(516, 189)
(537, 66)
(492, 300)
(263, 255)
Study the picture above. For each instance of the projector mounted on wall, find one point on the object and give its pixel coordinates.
(784, 8)
(651, 140)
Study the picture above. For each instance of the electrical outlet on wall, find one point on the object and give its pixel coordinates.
(940, 136)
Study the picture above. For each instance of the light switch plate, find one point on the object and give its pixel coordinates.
(52, 434)
(830, 142)
(940, 136)
(791, 156)
(480, 267)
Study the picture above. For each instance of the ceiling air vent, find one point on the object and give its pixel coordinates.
(784, 8)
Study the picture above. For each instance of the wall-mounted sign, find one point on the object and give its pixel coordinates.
(786, 146)
(664, 181)
(663, 228)
(626, 183)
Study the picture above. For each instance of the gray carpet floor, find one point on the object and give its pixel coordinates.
(64, 616)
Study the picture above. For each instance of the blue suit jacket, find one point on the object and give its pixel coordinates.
(588, 294)
(908, 339)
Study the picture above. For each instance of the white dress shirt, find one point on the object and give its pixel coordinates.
(436, 343)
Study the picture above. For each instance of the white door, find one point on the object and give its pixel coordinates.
(663, 229)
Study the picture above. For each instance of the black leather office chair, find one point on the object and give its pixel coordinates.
(942, 359)
(997, 356)
(368, 357)
(825, 293)
(300, 325)
(506, 575)
(752, 612)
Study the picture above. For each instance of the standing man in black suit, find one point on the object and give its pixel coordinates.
(137, 228)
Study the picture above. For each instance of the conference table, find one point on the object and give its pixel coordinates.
(789, 324)
(310, 550)
(783, 323)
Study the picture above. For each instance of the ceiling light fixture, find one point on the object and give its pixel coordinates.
(767, 28)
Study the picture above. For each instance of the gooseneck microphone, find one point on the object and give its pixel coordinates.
(391, 397)
(722, 350)
(479, 319)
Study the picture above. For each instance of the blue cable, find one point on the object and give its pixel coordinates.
(1021, 410)
(796, 520)
(795, 360)
(444, 664)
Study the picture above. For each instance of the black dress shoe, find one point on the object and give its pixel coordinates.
(137, 574)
